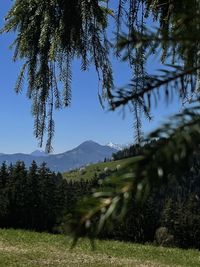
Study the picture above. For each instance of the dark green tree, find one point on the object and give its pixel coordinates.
(16, 192)
(46, 207)
(32, 197)
(4, 177)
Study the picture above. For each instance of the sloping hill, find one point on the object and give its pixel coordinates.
(29, 249)
(88, 172)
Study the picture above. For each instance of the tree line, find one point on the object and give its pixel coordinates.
(37, 198)
(134, 150)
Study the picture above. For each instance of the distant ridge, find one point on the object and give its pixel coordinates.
(86, 153)
(39, 153)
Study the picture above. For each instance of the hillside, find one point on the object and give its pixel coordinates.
(29, 249)
(89, 171)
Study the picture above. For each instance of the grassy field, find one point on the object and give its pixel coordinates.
(28, 249)
(97, 168)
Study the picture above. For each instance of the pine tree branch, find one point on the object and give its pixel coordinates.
(150, 86)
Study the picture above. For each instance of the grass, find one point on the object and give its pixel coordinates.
(23, 248)
(97, 168)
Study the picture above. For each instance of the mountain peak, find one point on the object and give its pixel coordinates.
(88, 144)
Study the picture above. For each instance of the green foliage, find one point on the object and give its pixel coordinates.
(168, 30)
(182, 220)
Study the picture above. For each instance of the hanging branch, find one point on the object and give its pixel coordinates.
(56, 32)
(152, 83)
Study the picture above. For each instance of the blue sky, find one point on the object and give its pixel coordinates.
(84, 120)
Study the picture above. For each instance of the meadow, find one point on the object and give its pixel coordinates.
(30, 249)
(92, 169)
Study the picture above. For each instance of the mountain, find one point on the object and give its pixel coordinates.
(85, 153)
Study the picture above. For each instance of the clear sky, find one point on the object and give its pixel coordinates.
(84, 120)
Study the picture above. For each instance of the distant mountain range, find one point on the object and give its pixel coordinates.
(86, 153)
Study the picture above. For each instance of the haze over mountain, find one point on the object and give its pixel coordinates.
(39, 153)
(85, 153)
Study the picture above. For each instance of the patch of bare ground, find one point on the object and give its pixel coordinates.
(87, 260)
(4, 247)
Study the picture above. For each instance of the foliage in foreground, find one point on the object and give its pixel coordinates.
(154, 168)
(23, 248)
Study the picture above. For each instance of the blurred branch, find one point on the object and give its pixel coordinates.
(170, 155)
